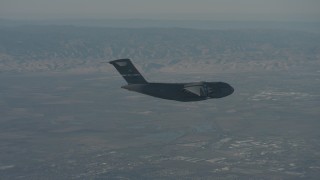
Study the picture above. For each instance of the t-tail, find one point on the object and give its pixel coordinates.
(128, 71)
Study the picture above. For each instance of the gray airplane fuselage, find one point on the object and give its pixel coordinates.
(178, 92)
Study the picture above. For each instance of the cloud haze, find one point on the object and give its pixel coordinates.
(292, 10)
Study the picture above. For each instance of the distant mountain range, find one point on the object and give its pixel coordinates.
(82, 49)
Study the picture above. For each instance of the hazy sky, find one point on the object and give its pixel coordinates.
(291, 10)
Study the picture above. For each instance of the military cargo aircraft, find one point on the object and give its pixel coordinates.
(194, 91)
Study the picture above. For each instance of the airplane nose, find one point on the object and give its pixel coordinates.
(231, 89)
(228, 90)
(220, 90)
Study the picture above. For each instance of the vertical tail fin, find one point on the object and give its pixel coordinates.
(128, 71)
